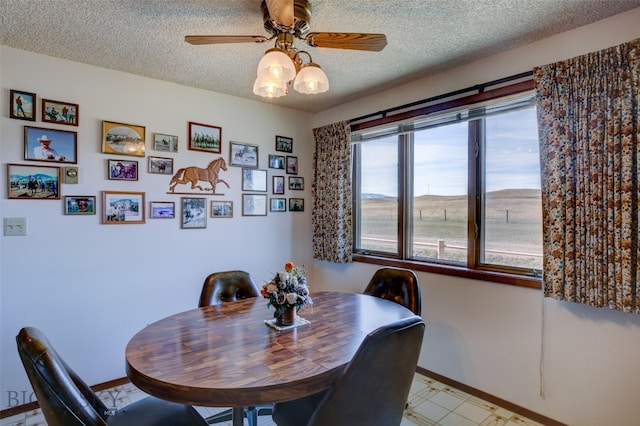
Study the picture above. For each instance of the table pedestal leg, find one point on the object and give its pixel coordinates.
(238, 416)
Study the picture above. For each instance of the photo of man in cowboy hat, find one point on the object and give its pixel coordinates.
(45, 152)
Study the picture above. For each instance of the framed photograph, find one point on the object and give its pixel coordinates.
(276, 161)
(243, 155)
(123, 139)
(277, 186)
(22, 105)
(161, 165)
(203, 137)
(292, 165)
(162, 210)
(221, 209)
(194, 213)
(254, 180)
(58, 146)
(254, 205)
(284, 144)
(162, 142)
(296, 204)
(296, 183)
(60, 112)
(278, 205)
(122, 207)
(79, 204)
(33, 182)
(122, 170)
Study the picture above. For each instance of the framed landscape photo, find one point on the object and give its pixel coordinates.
(276, 161)
(296, 204)
(122, 170)
(162, 210)
(296, 183)
(22, 105)
(243, 154)
(123, 139)
(278, 205)
(162, 142)
(254, 205)
(277, 186)
(292, 165)
(57, 146)
(254, 180)
(221, 209)
(161, 165)
(284, 144)
(122, 207)
(79, 204)
(203, 137)
(27, 182)
(194, 213)
(60, 112)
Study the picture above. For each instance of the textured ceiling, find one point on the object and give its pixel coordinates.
(146, 37)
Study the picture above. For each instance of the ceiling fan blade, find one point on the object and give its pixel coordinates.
(354, 41)
(281, 12)
(219, 39)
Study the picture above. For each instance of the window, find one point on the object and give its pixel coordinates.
(458, 189)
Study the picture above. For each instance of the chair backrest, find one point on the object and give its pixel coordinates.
(398, 285)
(374, 387)
(227, 286)
(64, 398)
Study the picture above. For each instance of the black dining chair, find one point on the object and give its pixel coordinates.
(398, 285)
(229, 286)
(66, 400)
(373, 388)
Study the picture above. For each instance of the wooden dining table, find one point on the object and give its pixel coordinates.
(227, 356)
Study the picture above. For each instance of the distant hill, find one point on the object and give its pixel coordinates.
(504, 193)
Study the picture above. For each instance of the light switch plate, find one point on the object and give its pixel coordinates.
(14, 226)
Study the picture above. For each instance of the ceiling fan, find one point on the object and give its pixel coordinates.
(287, 21)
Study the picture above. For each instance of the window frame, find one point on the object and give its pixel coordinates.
(473, 269)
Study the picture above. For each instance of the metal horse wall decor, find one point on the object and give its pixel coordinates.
(194, 174)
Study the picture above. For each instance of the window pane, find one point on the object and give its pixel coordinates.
(512, 207)
(378, 197)
(440, 178)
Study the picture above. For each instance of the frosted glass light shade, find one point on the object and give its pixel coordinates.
(276, 66)
(311, 80)
(269, 88)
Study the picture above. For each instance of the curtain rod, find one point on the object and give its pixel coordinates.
(479, 87)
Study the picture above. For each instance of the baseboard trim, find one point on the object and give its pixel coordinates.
(525, 412)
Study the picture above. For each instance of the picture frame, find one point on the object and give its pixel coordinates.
(254, 180)
(79, 205)
(278, 205)
(22, 105)
(296, 183)
(123, 139)
(296, 204)
(292, 165)
(122, 207)
(163, 142)
(122, 169)
(162, 210)
(277, 184)
(160, 165)
(193, 213)
(276, 161)
(243, 154)
(27, 182)
(221, 209)
(56, 146)
(205, 137)
(60, 112)
(284, 144)
(254, 205)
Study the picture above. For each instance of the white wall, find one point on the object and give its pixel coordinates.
(92, 286)
(489, 335)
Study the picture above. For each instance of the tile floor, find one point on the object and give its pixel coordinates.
(431, 403)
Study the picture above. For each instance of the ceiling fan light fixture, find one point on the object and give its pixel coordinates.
(276, 66)
(268, 88)
(311, 79)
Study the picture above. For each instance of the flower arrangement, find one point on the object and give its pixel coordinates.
(287, 289)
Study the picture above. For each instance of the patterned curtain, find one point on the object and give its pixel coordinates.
(331, 215)
(589, 128)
